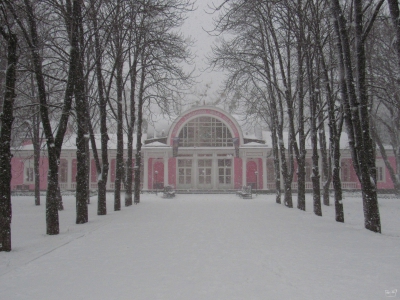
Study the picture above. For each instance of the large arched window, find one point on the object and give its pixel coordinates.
(205, 132)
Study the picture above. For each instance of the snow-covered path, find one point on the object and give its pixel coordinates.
(200, 247)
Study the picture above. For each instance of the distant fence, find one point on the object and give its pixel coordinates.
(309, 186)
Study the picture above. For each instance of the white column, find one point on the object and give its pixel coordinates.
(214, 172)
(109, 172)
(264, 168)
(195, 172)
(145, 172)
(244, 170)
(69, 172)
(166, 170)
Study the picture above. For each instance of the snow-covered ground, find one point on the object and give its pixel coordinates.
(202, 247)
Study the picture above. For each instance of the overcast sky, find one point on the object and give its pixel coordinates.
(198, 21)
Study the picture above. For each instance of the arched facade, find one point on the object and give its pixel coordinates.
(205, 150)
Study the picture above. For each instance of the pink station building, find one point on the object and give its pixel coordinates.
(204, 149)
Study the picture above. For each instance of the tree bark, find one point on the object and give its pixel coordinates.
(138, 160)
(120, 138)
(334, 128)
(131, 125)
(315, 178)
(301, 155)
(356, 104)
(7, 119)
(395, 16)
(103, 169)
(82, 116)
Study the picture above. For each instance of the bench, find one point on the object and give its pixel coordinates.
(168, 192)
(245, 192)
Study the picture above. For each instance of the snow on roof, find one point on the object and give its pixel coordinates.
(70, 142)
(155, 144)
(344, 141)
(254, 144)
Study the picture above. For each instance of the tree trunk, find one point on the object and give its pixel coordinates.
(301, 154)
(326, 163)
(102, 180)
(7, 119)
(36, 142)
(362, 151)
(334, 128)
(315, 178)
(325, 159)
(120, 142)
(60, 204)
(131, 125)
(395, 16)
(275, 152)
(36, 153)
(138, 161)
(82, 115)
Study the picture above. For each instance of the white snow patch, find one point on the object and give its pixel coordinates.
(202, 247)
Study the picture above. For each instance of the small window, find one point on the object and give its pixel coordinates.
(345, 166)
(380, 172)
(63, 171)
(29, 174)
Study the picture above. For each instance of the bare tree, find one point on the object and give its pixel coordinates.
(5, 130)
(355, 102)
(160, 75)
(81, 114)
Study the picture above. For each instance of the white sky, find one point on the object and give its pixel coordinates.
(198, 21)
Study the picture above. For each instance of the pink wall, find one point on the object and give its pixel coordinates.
(238, 172)
(172, 171)
(17, 172)
(159, 167)
(112, 169)
(250, 172)
(388, 184)
(93, 171)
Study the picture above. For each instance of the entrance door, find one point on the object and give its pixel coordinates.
(204, 173)
(184, 173)
(225, 174)
(251, 174)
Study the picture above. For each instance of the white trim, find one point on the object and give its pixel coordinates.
(380, 170)
(29, 164)
(190, 111)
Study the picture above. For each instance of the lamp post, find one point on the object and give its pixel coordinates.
(156, 172)
(256, 181)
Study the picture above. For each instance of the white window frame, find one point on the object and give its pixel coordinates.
(380, 171)
(29, 172)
